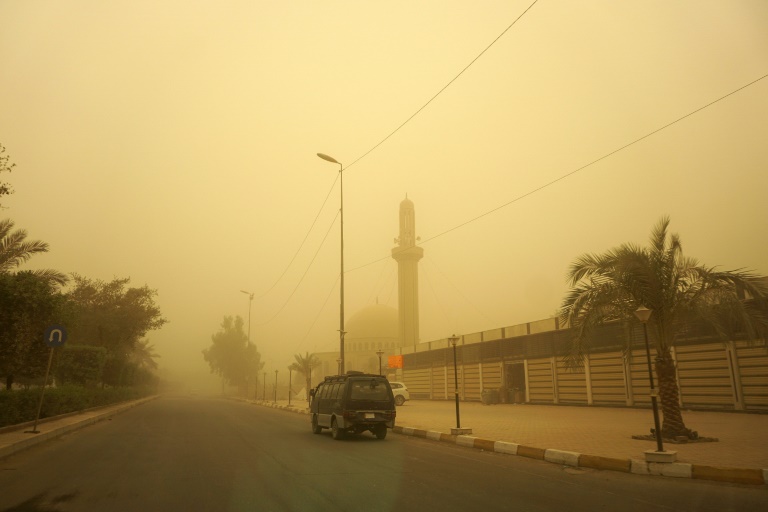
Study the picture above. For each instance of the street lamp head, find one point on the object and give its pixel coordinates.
(328, 158)
(453, 339)
(643, 314)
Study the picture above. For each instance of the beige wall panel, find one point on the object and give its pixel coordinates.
(700, 352)
(607, 376)
(417, 382)
(540, 388)
(491, 376)
(472, 383)
(571, 385)
(757, 371)
(704, 376)
(638, 376)
(439, 383)
(753, 368)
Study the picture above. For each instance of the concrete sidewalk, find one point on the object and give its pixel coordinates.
(598, 437)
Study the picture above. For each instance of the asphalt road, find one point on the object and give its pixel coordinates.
(187, 453)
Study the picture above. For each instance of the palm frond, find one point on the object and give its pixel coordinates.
(53, 276)
(659, 235)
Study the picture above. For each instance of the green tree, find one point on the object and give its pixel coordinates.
(15, 250)
(304, 365)
(116, 317)
(29, 300)
(611, 286)
(80, 365)
(231, 356)
(29, 304)
(5, 166)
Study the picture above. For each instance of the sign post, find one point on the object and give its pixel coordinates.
(55, 336)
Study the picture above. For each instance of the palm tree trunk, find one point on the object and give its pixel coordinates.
(673, 425)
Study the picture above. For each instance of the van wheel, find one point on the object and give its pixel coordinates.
(316, 429)
(338, 434)
(380, 432)
(399, 400)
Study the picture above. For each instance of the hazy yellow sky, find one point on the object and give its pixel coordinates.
(175, 143)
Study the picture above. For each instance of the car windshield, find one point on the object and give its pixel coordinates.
(369, 389)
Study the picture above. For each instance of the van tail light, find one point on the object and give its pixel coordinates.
(349, 415)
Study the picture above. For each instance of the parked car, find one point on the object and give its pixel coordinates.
(401, 392)
(353, 403)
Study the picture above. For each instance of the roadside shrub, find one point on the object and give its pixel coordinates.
(20, 406)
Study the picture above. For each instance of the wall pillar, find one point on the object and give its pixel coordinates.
(733, 368)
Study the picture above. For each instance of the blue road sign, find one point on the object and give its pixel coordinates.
(55, 336)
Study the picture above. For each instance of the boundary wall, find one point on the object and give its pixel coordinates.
(526, 364)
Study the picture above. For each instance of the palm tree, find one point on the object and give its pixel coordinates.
(143, 355)
(304, 365)
(14, 251)
(611, 286)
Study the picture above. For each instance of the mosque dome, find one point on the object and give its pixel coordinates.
(374, 326)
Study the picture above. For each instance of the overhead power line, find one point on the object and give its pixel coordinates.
(577, 170)
(443, 89)
(384, 140)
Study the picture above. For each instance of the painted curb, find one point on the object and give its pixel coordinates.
(575, 459)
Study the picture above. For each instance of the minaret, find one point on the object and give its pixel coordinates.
(407, 254)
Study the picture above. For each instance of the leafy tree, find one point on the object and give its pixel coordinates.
(5, 188)
(15, 250)
(611, 286)
(29, 304)
(231, 355)
(116, 317)
(29, 300)
(304, 365)
(80, 365)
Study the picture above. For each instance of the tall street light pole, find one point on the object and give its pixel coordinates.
(643, 314)
(276, 385)
(250, 307)
(341, 301)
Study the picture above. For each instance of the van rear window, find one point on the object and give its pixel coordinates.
(369, 389)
